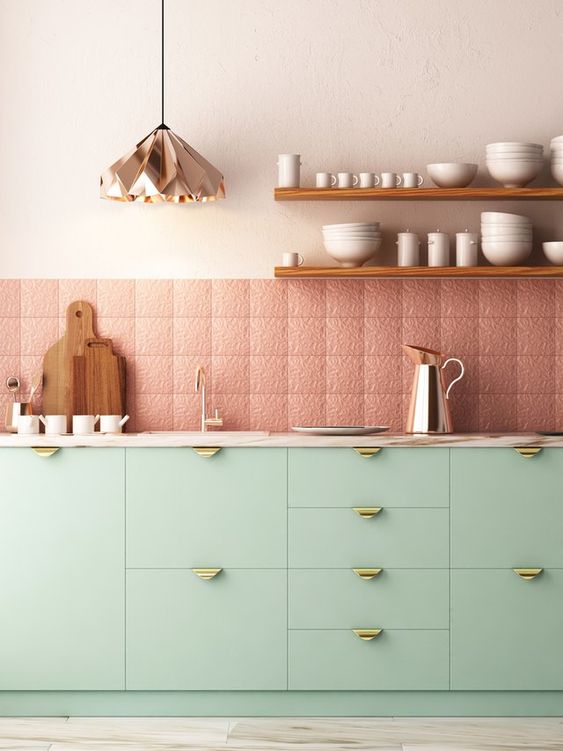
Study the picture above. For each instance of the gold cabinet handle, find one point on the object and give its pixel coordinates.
(207, 573)
(367, 573)
(206, 451)
(527, 573)
(367, 634)
(45, 450)
(367, 512)
(366, 451)
(527, 451)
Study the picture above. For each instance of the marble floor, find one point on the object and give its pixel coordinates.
(280, 734)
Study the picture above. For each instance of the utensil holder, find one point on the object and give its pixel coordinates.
(13, 412)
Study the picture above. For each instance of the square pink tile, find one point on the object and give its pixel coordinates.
(344, 336)
(268, 375)
(306, 336)
(115, 298)
(422, 332)
(9, 298)
(382, 336)
(39, 298)
(497, 412)
(383, 374)
(459, 298)
(154, 298)
(384, 409)
(497, 298)
(192, 298)
(10, 366)
(154, 412)
(536, 412)
(535, 374)
(497, 336)
(230, 298)
(230, 336)
(460, 336)
(383, 298)
(37, 335)
(231, 374)
(306, 298)
(154, 374)
(535, 336)
(268, 412)
(192, 336)
(10, 336)
(268, 336)
(344, 298)
(306, 409)
(465, 412)
(497, 374)
(535, 298)
(153, 336)
(344, 374)
(234, 409)
(306, 374)
(421, 298)
(187, 411)
(268, 298)
(122, 333)
(72, 290)
(184, 368)
(344, 409)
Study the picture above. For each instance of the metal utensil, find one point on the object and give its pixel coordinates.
(35, 384)
(13, 385)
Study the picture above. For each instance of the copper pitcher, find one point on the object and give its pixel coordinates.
(429, 410)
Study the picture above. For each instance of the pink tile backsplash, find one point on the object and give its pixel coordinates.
(279, 352)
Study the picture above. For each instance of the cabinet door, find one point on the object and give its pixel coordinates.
(506, 632)
(229, 633)
(62, 570)
(187, 511)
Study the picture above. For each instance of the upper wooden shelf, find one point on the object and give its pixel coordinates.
(417, 194)
(420, 272)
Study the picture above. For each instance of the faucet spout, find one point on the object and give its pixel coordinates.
(200, 388)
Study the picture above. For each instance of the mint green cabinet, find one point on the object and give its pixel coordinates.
(229, 633)
(393, 477)
(507, 510)
(62, 570)
(506, 632)
(228, 510)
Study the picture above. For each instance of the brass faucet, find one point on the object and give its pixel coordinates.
(206, 422)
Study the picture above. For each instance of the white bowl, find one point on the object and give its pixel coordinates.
(452, 174)
(553, 251)
(352, 254)
(506, 253)
(509, 157)
(503, 217)
(515, 174)
(557, 173)
(510, 145)
(344, 239)
(351, 225)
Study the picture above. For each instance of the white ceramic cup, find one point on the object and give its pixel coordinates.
(369, 180)
(408, 249)
(390, 180)
(28, 424)
(292, 259)
(412, 180)
(54, 424)
(325, 180)
(466, 249)
(289, 172)
(112, 423)
(347, 180)
(438, 249)
(84, 424)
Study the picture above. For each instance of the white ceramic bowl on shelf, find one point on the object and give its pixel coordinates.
(553, 251)
(452, 174)
(557, 172)
(495, 217)
(514, 146)
(352, 253)
(506, 253)
(513, 173)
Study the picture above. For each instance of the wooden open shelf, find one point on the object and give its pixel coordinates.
(416, 272)
(418, 194)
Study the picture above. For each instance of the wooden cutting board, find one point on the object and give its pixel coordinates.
(98, 380)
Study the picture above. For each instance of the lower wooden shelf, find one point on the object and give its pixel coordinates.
(419, 272)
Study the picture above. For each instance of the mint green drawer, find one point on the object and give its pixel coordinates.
(506, 510)
(506, 632)
(393, 477)
(340, 599)
(184, 633)
(393, 661)
(228, 510)
(395, 538)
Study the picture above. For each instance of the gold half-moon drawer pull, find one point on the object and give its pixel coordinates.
(367, 634)
(367, 451)
(206, 451)
(207, 573)
(528, 451)
(45, 450)
(527, 573)
(367, 512)
(367, 573)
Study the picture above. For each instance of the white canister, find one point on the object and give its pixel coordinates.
(289, 172)
(438, 249)
(408, 249)
(84, 424)
(112, 423)
(28, 424)
(54, 424)
(466, 248)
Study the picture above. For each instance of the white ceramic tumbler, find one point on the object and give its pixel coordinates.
(289, 170)
(466, 248)
(438, 249)
(84, 424)
(28, 424)
(112, 423)
(54, 424)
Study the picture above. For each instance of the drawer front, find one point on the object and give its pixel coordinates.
(506, 632)
(396, 537)
(393, 661)
(506, 510)
(340, 599)
(393, 477)
(185, 511)
(184, 633)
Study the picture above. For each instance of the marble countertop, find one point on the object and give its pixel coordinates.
(280, 440)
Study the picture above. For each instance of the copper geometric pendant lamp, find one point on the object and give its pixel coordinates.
(162, 168)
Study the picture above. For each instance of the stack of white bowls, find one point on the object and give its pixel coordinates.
(514, 164)
(352, 244)
(506, 238)
(557, 159)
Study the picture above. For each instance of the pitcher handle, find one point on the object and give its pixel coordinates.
(455, 380)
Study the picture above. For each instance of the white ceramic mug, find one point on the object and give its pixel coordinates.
(412, 180)
(325, 180)
(347, 180)
(54, 424)
(369, 180)
(292, 259)
(289, 173)
(112, 423)
(28, 424)
(84, 424)
(390, 180)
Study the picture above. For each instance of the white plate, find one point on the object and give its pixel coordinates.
(340, 429)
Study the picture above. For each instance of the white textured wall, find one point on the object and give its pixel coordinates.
(351, 84)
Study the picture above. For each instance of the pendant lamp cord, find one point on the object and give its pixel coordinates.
(162, 67)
